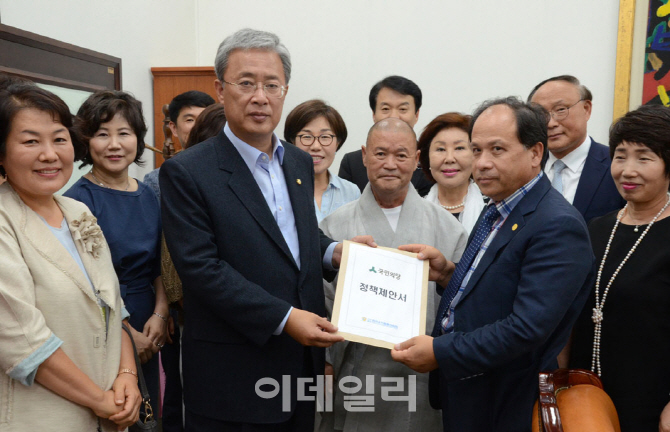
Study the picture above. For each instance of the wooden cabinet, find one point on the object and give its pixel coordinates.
(168, 83)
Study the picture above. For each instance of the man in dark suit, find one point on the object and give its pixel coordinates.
(577, 166)
(239, 220)
(396, 97)
(508, 308)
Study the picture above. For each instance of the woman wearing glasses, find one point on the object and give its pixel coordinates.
(318, 129)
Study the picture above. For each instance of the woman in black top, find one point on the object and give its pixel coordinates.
(623, 334)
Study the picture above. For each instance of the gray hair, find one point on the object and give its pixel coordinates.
(247, 39)
(584, 92)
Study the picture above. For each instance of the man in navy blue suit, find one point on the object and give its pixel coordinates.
(577, 166)
(511, 301)
(239, 221)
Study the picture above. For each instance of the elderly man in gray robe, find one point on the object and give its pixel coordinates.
(390, 210)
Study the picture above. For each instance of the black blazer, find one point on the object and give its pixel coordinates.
(352, 169)
(239, 278)
(597, 194)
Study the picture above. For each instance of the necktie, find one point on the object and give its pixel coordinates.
(557, 182)
(482, 231)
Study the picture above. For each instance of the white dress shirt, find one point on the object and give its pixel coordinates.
(574, 164)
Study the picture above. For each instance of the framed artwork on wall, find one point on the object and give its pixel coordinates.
(643, 55)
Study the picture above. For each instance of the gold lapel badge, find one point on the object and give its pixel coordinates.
(298, 181)
(514, 227)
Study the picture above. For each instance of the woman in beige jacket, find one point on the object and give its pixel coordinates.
(65, 363)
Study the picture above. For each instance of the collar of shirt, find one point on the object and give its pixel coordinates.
(574, 160)
(506, 206)
(252, 155)
(334, 181)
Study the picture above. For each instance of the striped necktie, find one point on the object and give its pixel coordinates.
(483, 229)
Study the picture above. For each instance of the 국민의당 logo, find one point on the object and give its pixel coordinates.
(365, 319)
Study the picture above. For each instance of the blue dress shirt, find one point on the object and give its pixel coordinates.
(270, 178)
(338, 193)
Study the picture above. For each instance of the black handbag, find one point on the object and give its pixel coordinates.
(149, 423)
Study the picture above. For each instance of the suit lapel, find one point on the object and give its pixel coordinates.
(48, 246)
(508, 231)
(594, 170)
(244, 186)
(302, 201)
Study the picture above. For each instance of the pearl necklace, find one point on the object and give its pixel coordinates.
(105, 186)
(452, 207)
(598, 310)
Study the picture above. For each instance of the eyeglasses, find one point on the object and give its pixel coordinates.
(562, 112)
(307, 140)
(271, 89)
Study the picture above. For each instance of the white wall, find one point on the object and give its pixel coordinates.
(143, 34)
(459, 52)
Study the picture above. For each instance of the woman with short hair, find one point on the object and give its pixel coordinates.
(623, 332)
(66, 364)
(318, 129)
(112, 126)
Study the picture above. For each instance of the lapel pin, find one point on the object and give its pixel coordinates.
(298, 181)
(514, 227)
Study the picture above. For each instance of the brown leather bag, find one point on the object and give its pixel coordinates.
(573, 400)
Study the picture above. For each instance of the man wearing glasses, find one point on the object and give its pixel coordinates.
(578, 167)
(238, 217)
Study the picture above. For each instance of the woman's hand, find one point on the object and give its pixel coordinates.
(128, 399)
(664, 423)
(145, 347)
(105, 407)
(156, 330)
(156, 327)
(60, 375)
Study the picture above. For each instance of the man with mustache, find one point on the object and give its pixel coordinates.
(523, 279)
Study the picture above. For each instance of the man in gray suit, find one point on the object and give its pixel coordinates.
(391, 210)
